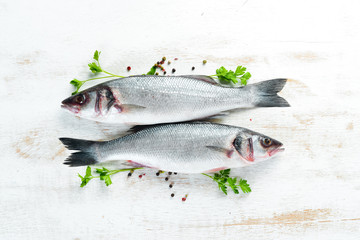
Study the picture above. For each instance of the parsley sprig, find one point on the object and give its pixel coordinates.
(224, 181)
(227, 76)
(152, 70)
(95, 68)
(104, 175)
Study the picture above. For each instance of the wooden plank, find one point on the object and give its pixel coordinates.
(310, 191)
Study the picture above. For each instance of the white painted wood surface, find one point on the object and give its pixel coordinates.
(311, 191)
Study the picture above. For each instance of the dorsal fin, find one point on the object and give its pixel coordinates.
(202, 78)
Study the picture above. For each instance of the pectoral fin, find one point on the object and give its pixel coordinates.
(202, 78)
(227, 152)
(131, 107)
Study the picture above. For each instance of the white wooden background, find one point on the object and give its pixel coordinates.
(311, 191)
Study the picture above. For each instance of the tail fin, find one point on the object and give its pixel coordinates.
(266, 93)
(84, 157)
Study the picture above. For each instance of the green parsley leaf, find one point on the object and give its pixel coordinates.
(223, 188)
(96, 55)
(86, 178)
(152, 71)
(245, 78)
(240, 70)
(76, 84)
(94, 67)
(88, 171)
(224, 181)
(244, 186)
(107, 180)
(227, 76)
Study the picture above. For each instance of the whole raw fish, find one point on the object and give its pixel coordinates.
(194, 147)
(139, 100)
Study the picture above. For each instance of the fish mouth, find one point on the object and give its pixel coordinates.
(70, 108)
(276, 150)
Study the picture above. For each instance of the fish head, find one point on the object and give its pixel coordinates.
(255, 147)
(92, 103)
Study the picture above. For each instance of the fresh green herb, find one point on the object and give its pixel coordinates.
(227, 76)
(224, 181)
(104, 175)
(152, 70)
(94, 68)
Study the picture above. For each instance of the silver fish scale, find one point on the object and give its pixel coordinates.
(177, 147)
(169, 99)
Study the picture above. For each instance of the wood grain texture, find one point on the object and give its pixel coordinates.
(311, 191)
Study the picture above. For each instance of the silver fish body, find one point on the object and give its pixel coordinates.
(185, 147)
(140, 100)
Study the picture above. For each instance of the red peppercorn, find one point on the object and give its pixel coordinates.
(250, 119)
(183, 199)
(140, 176)
(175, 59)
(128, 68)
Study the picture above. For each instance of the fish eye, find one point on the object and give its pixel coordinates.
(80, 99)
(266, 142)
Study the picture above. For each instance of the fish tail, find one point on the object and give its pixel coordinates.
(85, 156)
(266, 92)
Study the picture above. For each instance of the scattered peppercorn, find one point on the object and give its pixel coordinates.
(183, 199)
(162, 62)
(140, 176)
(175, 173)
(169, 173)
(172, 195)
(128, 68)
(169, 62)
(193, 68)
(164, 72)
(164, 58)
(204, 61)
(166, 179)
(170, 186)
(129, 174)
(175, 59)
(173, 70)
(157, 62)
(158, 173)
(156, 73)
